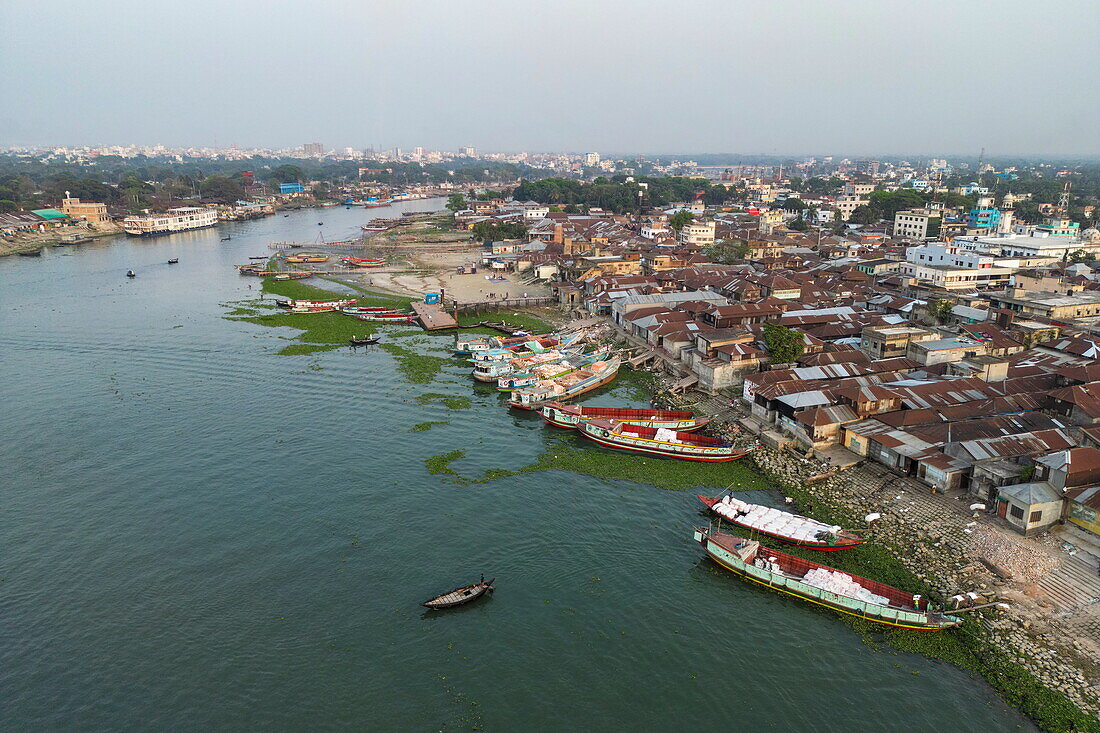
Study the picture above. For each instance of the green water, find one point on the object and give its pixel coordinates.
(197, 534)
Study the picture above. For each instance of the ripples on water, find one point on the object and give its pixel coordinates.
(197, 534)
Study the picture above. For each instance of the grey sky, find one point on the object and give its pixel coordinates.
(843, 76)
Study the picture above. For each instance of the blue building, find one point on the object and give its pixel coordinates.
(291, 188)
(984, 217)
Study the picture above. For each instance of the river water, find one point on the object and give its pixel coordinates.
(198, 534)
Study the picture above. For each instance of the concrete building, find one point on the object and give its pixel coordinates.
(700, 233)
(86, 211)
(313, 149)
(888, 342)
(916, 224)
(1050, 305)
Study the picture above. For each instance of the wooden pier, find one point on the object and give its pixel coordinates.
(433, 317)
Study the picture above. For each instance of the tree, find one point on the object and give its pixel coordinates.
(942, 310)
(1081, 256)
(799, 225)
(489, 232)
(7, 205)
(861, 215)
(681, 219)
(728, 253)
(784, 345)
(456, 203)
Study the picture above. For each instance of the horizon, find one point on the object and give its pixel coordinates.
(575, 77)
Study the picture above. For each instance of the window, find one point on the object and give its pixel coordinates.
(1017, 512)
(1036, 516)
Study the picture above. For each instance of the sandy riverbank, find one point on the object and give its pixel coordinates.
(29, 241)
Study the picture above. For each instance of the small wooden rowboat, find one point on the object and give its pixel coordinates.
(460, 596)
(570, 416)
(791, 529)
(821, 584)
(174, 261)
(661, 442)
(365, 341)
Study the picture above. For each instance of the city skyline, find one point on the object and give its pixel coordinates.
(712, 78)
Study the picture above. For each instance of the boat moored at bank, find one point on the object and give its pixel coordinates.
(570, 416)
(820, 584)
(182, 219)
(565, 388)
(791, 529)
(660, 441)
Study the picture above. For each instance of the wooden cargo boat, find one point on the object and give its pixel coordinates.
(460, 596)
(312, 309)
(467, 346)
(395, 317)
(660, 442)
(362, 262)
(791, 529)
(565, 388)
(353, 311)
(570, 416)
(820, 584)
(334, 303)
(534, 375)
(522, 349)
(493, 370)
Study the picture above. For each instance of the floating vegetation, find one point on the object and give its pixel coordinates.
(449, 401)
(441, 464)
(421, 427)
(417, 368)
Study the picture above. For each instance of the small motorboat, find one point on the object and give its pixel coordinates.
(320, 223)
(259, 257)
(460, 596)
(131, 273)
(174, 261)
(285, 215)
(31, 253)
(227, 238)
(365, 341)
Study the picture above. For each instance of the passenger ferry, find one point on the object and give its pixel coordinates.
(182, 219)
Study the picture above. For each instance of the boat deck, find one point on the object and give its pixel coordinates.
(433, 317)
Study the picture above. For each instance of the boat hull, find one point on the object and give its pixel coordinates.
(808, 544)
(911, 620)
(698, 453)
(531, 406)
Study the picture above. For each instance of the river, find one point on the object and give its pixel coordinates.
(198, 534)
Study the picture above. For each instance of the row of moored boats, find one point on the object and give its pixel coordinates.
(545, 373)
(376, 314)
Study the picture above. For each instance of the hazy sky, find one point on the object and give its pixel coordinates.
(821, 76)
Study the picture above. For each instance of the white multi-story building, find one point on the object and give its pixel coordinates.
(591, 159)
(700, 233)
(916, 224)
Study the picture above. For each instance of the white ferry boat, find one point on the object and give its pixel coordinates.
(174, 220)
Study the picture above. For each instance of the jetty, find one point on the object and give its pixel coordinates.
(433, 317)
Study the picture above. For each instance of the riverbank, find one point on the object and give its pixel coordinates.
(30, 241)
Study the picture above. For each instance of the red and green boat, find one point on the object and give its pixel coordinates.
(821, 584)
(570, 416)
(791, 529)
(660, 441)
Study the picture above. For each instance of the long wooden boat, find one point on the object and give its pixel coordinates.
(362, 262)
(660, 442)
(570, 416)
(292, 276)
(354, 311)
(821, 584)
(492, 370)
(553, 370)
(311, 309)
(364, 341)
(460, 596)
(791, 529)
(305, 303)
(567, 387)
(467, 346)
(396, 317)
(524, 348)
(296, 259)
